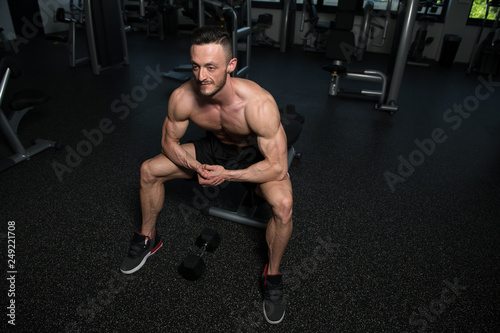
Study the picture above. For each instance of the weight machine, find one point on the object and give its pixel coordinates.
(75, 18)
(415, 56)
(22, 102)
(287, 31)
(369, 28)
(341, 48)
(104, 30)
(315, 37)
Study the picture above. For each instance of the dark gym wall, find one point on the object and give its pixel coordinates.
(22, 11)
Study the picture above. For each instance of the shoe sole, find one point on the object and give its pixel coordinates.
(269, 320)
(138, 267)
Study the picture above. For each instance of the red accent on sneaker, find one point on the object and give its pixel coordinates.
(140, 233)
(160, 244)
(266, 275)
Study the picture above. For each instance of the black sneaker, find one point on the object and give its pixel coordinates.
(141, 248)
(274, 301)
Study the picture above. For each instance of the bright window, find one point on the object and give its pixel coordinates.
(478, 10)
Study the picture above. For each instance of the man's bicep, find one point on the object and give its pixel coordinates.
(264, 119)
(177, 119)
(273, 144)
(266, 124)
(174, 129)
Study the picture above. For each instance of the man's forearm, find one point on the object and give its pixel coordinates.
(180, 157)
(260, 172)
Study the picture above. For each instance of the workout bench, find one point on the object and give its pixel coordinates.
(245, 213)
(22, 102)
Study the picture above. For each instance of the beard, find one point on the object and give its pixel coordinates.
(212, 90)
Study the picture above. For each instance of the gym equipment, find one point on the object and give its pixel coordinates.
(259, 27)
(193, 265)
(486, 54)
(104, 26)
(316, 36)
(246, 211)
(75, 19)
(157, 17)
(369, 27)
(105, 34)
(287, 31)
(22, 102)
(160, 12)
(341, 48)
(415, 56)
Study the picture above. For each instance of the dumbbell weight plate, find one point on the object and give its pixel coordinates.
(210, 237)
(192, 267)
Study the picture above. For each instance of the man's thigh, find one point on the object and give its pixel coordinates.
(160, 166)
(276, 191)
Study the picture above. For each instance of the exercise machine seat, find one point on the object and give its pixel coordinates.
(21, 103)
(28, 98)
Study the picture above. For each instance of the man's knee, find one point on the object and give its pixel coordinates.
(147, 173)
(283, 207)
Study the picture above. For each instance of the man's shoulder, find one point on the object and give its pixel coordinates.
(185, 90)
(260, 107)
(254, 95)
(183, 94)
(180, 101)
(246, 85)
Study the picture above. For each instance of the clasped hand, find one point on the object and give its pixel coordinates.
(210, 175)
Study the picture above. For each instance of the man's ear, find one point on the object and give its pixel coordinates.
(231, 66)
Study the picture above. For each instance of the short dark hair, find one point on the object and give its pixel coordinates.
(213, 34)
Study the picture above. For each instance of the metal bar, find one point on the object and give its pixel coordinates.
(362, 77)
(284, 26)
(234, 18)
(39, 146)
(384, 83)
(11, 136)
(249, 36)
(404, 46)
(72, 42)
(124, 34)
(235, 217)
(291, 155)
(217, 3)
(94, 63)
(243, 72)
(386, 24)
(3, 84)
(365, 32)
(142, 8)
(201, 13)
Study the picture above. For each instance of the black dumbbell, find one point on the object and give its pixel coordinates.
(193, 266)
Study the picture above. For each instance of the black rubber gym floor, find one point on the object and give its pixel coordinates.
(396, 217)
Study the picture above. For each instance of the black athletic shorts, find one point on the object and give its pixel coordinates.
(209, 150)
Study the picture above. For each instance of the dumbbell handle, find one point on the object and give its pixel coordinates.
(202, 250)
